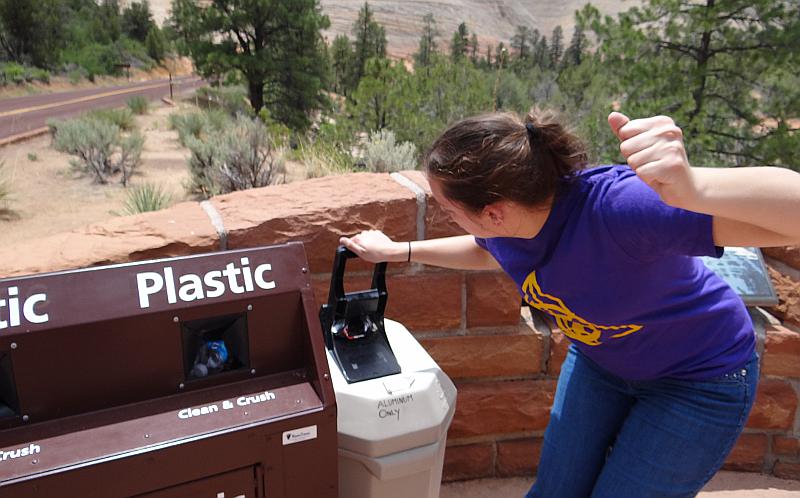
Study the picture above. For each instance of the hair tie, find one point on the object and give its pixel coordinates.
(532, 132)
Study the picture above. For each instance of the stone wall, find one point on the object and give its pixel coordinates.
(504, 361)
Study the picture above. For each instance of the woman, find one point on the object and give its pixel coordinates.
(662, 371)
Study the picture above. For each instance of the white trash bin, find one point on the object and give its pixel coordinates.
(393, 429)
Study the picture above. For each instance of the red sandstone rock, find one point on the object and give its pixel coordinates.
(559, 343)
(787, 470)
(492, 299)
(518, 457)
(781, 352)
(748, 454)
(318, 212)
(786, 446)
(789, 255)
(437, 222)
(488, 408)
(470, 461)
(775, 407)
(788, 290)
(486, 356)
(180, 230)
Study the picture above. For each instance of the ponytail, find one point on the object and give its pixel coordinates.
(483, 159)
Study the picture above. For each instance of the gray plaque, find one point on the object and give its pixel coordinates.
(744, 270)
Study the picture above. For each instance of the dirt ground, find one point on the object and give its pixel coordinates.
(48, 197)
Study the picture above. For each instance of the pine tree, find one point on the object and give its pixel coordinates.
(458, 44)
(577, 46)
(541, 53)
(137, 20)
(427, 42)
(727, 72)
(156, 44)
(276, 45)
(341, 64)
(556, 46)
(520, 42)
(369, 40)
(32, 31)
(473, 47)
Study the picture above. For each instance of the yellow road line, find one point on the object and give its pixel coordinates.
(81, 99)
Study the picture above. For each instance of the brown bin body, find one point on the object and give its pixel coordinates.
(98, 397)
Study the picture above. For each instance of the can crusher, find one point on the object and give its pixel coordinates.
(353, 327)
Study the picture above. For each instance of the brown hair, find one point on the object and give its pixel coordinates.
(483, 159)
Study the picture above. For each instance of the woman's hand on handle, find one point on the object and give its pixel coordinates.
(460, 252)
(376, 247)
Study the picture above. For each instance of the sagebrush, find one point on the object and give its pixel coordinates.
(101, 148)
(139, 105)
(383, 154)
(240, 157)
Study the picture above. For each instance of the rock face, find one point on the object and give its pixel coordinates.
(492, 20)
(788, 290)
(788, 255)
(178, 231)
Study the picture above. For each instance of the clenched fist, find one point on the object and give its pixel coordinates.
(654, 149)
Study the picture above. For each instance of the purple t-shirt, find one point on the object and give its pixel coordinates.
(618, 271)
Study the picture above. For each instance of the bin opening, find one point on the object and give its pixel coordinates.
(9, 404)
(214, 345)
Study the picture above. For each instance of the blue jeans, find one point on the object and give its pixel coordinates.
(611, 438)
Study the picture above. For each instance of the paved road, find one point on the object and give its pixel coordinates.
(25, 114)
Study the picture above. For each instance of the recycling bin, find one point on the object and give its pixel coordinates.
(394, 402)
(198, 376)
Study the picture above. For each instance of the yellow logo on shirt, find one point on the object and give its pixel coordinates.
(571, 324)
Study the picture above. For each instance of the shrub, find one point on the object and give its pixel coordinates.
(382, 154)
(130, 155)
(145, 198)
(5, 190)
(92, 140)
(240, 157)
(252, 159)
(76, 75)
(139, 105)
(122, 117)
(325, 158)
(100, 147)
(32, 157)
(13, 74)
(37, 74)
(156, 44)
(231, 99)
(198, 124)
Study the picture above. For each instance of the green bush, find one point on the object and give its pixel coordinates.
(145, 198)
(76, 75)
(122, 117)
(37, 74)
(156, 44)
(231, 99)
(5, 189)
(139, 105)
(383, 154)
(323, 158)
(130, 155)
(197, 124)
(94, 58)
(32, 157)
(240, 157)
(101, 149)
(13, 74)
